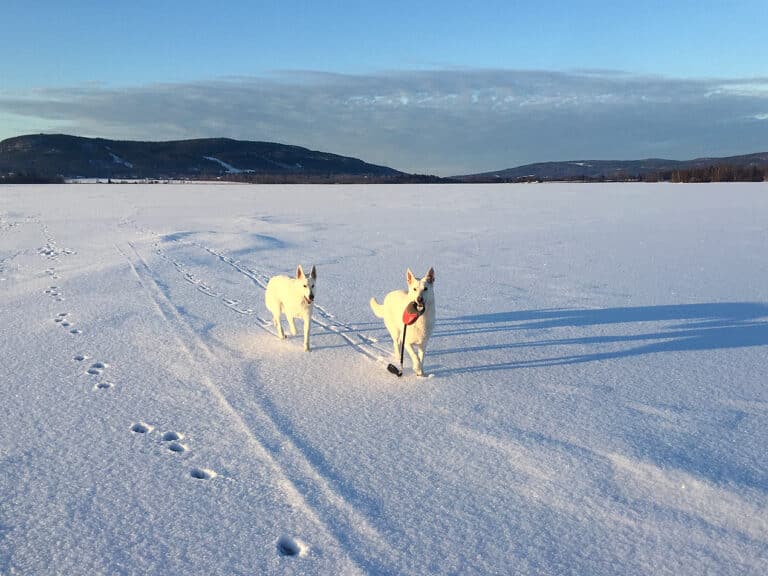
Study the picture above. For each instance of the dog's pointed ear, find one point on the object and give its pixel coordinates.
(409, 276)
(313, 273)
(299, 272)
(431, 275)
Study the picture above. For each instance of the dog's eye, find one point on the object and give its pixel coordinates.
(425, 288)
(305, 285)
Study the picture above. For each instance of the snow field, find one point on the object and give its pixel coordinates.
(596, 402)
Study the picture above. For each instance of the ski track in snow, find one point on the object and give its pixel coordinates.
(358, 341)
(5, 262)
(303, 483)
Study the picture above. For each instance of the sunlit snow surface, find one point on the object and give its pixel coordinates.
(597, 400)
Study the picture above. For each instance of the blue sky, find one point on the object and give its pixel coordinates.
(432, 87)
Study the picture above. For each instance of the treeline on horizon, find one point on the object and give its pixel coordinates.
(245, 178)
(714, 173)
(402, 178)
(28, 178)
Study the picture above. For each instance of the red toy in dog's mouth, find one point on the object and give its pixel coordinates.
(412, 312)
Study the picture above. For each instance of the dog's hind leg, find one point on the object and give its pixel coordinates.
(291, 325)
(278, 326)
(396, 335)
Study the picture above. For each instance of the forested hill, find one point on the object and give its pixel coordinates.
(60, 155)
(746, 167)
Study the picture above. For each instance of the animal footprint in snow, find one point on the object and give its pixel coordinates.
(103, 385)
(177, 447)
(80, 357)
(97, 368)
(62, 319)
(202, 473)
(51, 251)
(288, 546)
(174, 442)
(55, 293)
(141, 428)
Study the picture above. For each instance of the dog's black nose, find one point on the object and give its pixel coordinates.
(420, 300)
(311, 297)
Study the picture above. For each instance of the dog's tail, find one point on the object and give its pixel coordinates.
(377, 308)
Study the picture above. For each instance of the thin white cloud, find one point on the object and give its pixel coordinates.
(445, 122)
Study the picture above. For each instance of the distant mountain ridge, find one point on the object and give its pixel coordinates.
(611, 169)
(79, 157)
(54, 157)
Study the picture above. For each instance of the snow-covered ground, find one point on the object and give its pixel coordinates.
(597, 401)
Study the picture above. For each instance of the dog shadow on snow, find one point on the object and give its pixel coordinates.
(671, 328)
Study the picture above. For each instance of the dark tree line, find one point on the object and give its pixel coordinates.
(252, 178)
(713, 173)
(29, 178)
(716, 173)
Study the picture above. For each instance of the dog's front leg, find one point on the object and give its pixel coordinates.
(415, 359)
(307, 323)
(420, 353)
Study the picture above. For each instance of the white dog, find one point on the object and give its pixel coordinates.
(421, 291)
(292, 297)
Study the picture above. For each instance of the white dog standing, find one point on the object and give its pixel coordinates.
(292, 297)
(421, 291)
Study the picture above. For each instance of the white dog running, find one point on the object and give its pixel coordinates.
(421, 291)
(292, 297)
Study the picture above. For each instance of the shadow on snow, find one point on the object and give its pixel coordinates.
(615, 333)
(683, 327)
